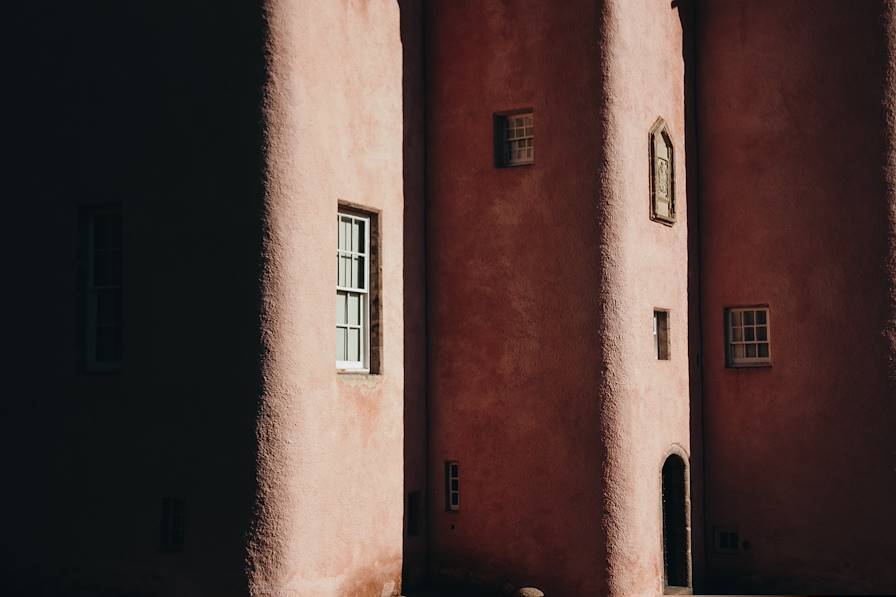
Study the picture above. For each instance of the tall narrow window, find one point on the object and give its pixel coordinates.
(515, 138)
(661, 334)
(353, 292)
(452, 485)
(675, 525)
(749, 341)
(103, 289)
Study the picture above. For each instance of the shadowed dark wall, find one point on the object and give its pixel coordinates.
(156, 106)
(794, 214)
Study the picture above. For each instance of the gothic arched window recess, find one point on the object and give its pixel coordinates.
(662, 174)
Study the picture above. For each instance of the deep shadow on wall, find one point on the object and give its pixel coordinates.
(154, 107)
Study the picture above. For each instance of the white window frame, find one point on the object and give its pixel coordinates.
(734, 339)
(452, 493)
(362, 365)
(91, 320)
(508, 142)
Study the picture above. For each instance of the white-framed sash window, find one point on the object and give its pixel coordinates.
(353, 292)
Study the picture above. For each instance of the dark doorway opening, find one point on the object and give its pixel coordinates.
(675, 524)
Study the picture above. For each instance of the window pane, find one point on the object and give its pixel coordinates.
(749, 334)
(738, 351)
(354, 309)
(340, 344)
(762, 333)
(760, 317)
(358, 236)
(354, 345)
(751, 351)
(737, 334)
(763, 350)
(344, 236)
(107, 346)
(340, 307)
(345, 269)
(106, 231)
(108, 307)
(735, 318)
(357, 274)
(106, 268)
(748, 318)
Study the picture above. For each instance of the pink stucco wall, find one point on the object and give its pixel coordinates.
(330, 466)
(796, 213)
(644, 402)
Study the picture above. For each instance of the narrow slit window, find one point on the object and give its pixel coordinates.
(661, 334)
(749, 340)
(452, 485)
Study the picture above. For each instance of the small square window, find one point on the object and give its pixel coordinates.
(749, 339)
(452, 486)
(514, 138)
(727, 541)
(661, 334)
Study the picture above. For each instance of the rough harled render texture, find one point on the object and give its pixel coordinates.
(544, 279)
(796, 143)
(644, 401)
(329, 518)
(890, 173)
(513, 277)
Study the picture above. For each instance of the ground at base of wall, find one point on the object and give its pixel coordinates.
(450, 592)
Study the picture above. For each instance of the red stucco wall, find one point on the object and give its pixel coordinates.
(795, 214)
(513, 275)
(543, 281)
(330, 468)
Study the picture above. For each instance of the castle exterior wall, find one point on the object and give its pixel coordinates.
(415, 293)
(513, 278)
(645, 415)
(797, 214)
(330, 451)
(153, 109)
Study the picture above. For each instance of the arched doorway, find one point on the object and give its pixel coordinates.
(676, 560)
